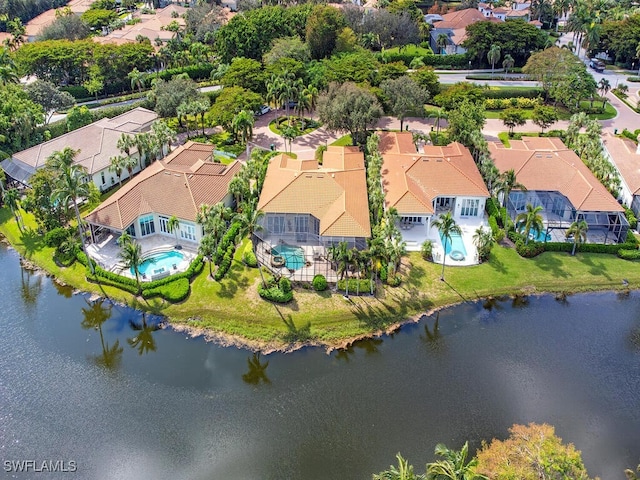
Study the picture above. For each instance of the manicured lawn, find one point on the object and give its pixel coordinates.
(313, 125)
(343, 141)
(564, 114)
(232, 307)
(414, 50)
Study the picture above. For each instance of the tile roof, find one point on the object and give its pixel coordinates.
(334, 192)
(412, 180)
(96, 142)
(625, 156)
(164, 189)
(460, 19)
(546, 164)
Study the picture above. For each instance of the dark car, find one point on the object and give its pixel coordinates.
(597, 65)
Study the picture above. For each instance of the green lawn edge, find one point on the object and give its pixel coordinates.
(231, 311)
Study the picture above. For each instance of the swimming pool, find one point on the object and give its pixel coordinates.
(293, 256)
(455, 247)
(159, 262)
(542, 236)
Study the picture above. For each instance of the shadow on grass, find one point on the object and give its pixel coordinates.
(234, 280)
(31, 241)
(497, 265)
(597, 267)
(416, 274)
(552, 264)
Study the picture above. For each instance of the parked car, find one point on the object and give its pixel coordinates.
(263, 110)
(597, 65)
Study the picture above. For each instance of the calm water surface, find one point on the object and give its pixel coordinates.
(78, 382)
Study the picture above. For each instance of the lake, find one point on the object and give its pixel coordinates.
(95, 384)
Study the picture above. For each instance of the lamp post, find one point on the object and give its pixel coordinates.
(469, 65)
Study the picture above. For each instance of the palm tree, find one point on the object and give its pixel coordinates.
(129, 164)
(183, 111)
(8, 72)
(508, 62)
(403, 472)
(441, 42)
(131, 256)
(137, 78)
(446, 225)
(483, 240)
(289, 132)
(493, 55)
(123, 238)
(454, 465)
(10, 198)
(530, 221)
(117, 164)
(311, 93)
(243, 124)
(579, 232)
(604, 86)
(207, 248)
(126, 143)
(143, 341)
(173, 225)
(506, 184)
(163, 134)
(72, 185)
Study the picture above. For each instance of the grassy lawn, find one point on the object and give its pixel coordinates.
(232, 307)
(343, 141)
(273, 124)
(564, 114)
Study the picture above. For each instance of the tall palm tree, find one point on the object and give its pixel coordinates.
(447, 226)
(116, 165)
(604, 86)
(311, 93)
(242, 124)
(72, 185)
(163, 134)
(453, 465)
(508, 62)
(250, 221)
(403, 472)
(506, 184)
(530, 221)
(126, 143)
(579, 232)
(138, 79)
(441, 43)
(183, 111)
(493, 55)
(129, 164)
(131, 256)
(10, 198)
(173, 225)
(289, 132)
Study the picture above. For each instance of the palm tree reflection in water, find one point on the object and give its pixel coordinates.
(143, 341)
(257, 371)
(93, 318)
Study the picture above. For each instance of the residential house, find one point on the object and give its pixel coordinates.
(176, 186)
(96, 144)
(624, 154)
(557, 180)
(310, 204)
(454, 25)
(421, 185)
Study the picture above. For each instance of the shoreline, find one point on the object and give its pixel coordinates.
(414, 315)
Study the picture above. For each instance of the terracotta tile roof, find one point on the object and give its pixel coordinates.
(34, 27)
(335, 192)
(460, 19)
(163, 189)
(97, 142)
(624, 154)
(413, 180)
(546, 164)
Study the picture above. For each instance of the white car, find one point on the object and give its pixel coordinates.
(263, 109)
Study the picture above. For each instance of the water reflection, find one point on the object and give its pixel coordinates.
(93, 318)
(143, 341)
(30, 285)
(432, 337)
(257, 371)
(369, 345)
(493, 303)
(520, 301)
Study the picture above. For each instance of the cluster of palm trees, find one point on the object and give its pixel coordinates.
(149, 145)
(286, 88)
(193, 107)
(451, 465)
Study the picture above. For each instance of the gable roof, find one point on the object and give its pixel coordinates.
(96, 142)
(546, 164)
(176, 185)
(412, 180)
(335, 192)
(624, 154)
(458, 21)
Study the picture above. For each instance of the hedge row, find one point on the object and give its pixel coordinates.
(513, 92)
(457, 60)
(175, 291)
(228, 239)
(629, 254)
(195, 72)
(225, 265)
(361, 286)
(513, 102)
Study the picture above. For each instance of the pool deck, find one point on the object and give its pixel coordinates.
(107, 253)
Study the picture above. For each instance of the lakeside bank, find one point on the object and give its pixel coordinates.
(231, 312)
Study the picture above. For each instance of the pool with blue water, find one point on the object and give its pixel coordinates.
(293, 256)
(159, 262)
(455, 246)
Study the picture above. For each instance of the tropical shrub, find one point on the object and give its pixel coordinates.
(493, 224)
(512, 92)
(55, 237)
(175, 291)
(529, 250)
(426, 250)
(249, 259)
(498, 236)
(451, 61)
(629, 254)
(384, 273)
(492, 207)
(285, 285)
(394, 281)
(274, 293)
(319, 283)
(631, 218)
(225, 264)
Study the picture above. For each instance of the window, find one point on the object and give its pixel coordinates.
(164, 224)
(102, 177)
(275, 223)
(147, 226)
(188, 232)
(469, 207)
(302, 223)
(131, 230)
(410, 219)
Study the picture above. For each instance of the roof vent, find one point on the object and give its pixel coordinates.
(177, 174)
(308, 176)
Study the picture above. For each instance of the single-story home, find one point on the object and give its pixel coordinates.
(176, 186)
(624, 154)
(97, 143)
(559, 181)
(421, 185)
(310, 204)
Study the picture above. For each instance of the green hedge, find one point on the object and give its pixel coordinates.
(459, 61)
(174, 291)
(492, 207)
(249, 259)
(513, 102)
(513, 92)
(275, 294)
(319, 283)
(195, 72)
(364, 287)
(228, 239)
(629, 254)
(225, 264)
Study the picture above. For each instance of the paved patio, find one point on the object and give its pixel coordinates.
(107, 252)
